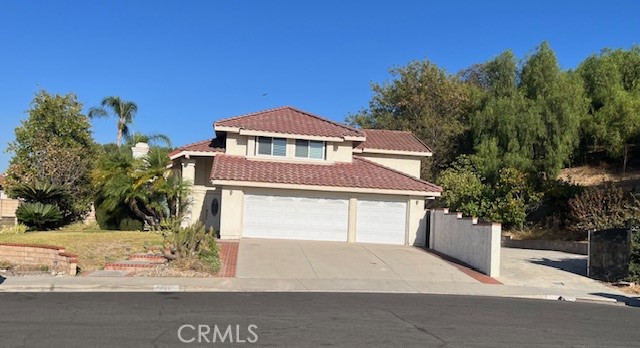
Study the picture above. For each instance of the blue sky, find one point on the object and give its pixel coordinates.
(188, 63)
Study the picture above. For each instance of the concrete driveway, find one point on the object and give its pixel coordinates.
(285, 259)
(550, 269)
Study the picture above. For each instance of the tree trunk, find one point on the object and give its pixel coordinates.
(120, 127)
(624, 163)
(136, 210)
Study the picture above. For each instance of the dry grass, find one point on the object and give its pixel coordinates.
(93, 247)
(595, 175)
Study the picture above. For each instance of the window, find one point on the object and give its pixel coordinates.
(310, 149)
(272, 146)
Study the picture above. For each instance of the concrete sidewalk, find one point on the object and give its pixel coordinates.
(148, 284)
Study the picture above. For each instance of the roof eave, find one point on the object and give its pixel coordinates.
(394, 152)
(188, 154)
(324, 188)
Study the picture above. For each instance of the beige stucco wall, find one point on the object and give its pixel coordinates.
(406, 164)
(231, 212)
(236, 144)
(340, 152)
(203, 171)
(416, 221)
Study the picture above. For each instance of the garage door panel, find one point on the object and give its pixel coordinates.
(381, 221)
(307, 218)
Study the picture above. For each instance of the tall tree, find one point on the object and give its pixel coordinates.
(531, 118)
(122, 109)
(424, 99)
(54, 145)
(612, 82)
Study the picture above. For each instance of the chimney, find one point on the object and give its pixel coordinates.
(140, 150)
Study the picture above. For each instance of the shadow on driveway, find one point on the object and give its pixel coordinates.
(2, 279)
(571, 265)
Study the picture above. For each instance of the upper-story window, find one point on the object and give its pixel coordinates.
(310, 149)
(271, 146)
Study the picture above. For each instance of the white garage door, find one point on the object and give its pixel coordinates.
(381, 221)
(283, 217)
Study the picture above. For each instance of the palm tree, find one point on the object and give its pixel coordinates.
(122, 109)
(151, 139)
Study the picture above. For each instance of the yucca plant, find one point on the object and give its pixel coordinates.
(39, 216)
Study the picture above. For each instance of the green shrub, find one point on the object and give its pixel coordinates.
(17, 229)
(130, 224)
(39, 216)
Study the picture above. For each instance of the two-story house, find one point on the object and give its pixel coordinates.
(288, 174)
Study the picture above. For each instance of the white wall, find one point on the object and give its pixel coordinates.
(476, 244)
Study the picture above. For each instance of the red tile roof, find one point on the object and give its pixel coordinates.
(360, 173)
(289, 120)
(210, 145)
(383, 139)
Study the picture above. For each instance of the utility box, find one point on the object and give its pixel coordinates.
(609, 254)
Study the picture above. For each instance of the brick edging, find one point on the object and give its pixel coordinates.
(463, 267)
(43, 246)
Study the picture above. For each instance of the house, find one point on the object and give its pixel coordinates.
(288, 174)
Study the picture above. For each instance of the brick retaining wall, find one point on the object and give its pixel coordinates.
(54, 257)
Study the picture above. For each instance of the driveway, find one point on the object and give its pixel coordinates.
(549, 269)
(267, 258)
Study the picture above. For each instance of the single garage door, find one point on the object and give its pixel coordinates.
(284, 217)
(381, 221)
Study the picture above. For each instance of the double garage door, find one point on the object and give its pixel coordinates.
(314, 218)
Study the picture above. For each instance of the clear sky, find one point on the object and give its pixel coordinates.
(188, 63)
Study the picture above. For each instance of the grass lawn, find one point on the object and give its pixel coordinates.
(92, 247)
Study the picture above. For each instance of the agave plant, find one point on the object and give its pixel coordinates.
(39, 216)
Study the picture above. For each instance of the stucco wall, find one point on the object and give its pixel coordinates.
(340, 152)
(477, 244)
(203, 171)
(236, 144)
(406, 164)
(416, 222)
(231, 212)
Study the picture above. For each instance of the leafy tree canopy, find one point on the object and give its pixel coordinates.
(54, 145)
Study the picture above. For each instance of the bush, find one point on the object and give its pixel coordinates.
(121, 218)
(194, 242)
(17, 229)
(600, 208)
(508, 199)
(39, 216)
(130, 224)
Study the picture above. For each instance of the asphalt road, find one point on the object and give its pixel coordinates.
(308, 320)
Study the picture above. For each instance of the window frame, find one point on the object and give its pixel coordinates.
(308, 146)
(272, 144)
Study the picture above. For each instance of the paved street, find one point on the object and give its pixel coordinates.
(310, 319)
